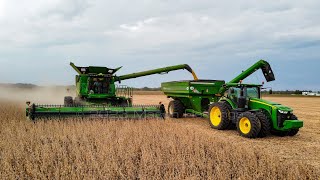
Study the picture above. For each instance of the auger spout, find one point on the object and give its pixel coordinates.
(262, 64)
(158, 71)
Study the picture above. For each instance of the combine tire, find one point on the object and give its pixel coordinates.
(68, 101)
(265, 124)
(77, 101)
(248, 125)
(219, 116)
(293, 132)
(176, 109)
(124, 103)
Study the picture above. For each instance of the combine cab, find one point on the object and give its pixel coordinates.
(99, 96)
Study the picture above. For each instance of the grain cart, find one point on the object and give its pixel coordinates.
(233, 103)
(98, 94)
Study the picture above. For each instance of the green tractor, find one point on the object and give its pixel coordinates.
(233, 104)
(98, 95)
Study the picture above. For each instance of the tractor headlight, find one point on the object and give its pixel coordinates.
(283, 112)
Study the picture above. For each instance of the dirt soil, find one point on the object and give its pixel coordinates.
(304, 147)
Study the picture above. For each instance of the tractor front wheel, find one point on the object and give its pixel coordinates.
(176, 109)
(219, 116)
(248, 125)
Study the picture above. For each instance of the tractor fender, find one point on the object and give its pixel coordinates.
(233, 105)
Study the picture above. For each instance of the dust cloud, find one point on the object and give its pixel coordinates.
(38, 95)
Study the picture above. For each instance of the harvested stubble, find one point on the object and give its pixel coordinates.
(77, 149)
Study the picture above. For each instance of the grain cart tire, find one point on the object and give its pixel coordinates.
(293, 132)
(265, 124)
(68, 101)
(248, 125)
(176, 109)
(219, 117)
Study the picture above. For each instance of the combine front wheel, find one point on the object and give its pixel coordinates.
(248, 125)
(68, 101)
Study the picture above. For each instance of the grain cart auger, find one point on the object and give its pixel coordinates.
(98, 95)
(233, 104)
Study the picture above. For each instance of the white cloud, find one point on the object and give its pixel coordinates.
(167, 32)
(2, 9)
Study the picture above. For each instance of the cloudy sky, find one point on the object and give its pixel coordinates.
(218, 39)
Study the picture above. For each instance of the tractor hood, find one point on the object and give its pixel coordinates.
(274, 105)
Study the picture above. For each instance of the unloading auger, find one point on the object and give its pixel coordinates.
(98, 95)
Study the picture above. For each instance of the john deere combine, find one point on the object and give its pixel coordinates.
(97, 94)
(233, 103)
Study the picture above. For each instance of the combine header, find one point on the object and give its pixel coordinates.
(98, 95)
(233, 104)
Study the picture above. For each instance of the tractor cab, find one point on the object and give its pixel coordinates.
(240, 94)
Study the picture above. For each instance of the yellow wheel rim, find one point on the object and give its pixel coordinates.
(215, 116)
(245, 125)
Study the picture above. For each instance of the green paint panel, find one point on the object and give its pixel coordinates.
(197, 95)
(95, 86)
(191, 88)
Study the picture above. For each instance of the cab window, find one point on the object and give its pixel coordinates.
(253, 92)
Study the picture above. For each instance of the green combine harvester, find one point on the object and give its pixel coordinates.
(226, 105)
(99, 96)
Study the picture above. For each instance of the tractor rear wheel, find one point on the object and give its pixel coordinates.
(265, 124)
(229, 108)
(176, 109)
(219, 116)
(68, 101)
(293, 132)
(248, 125)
